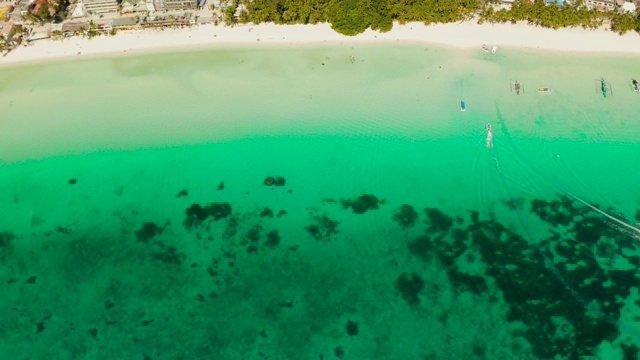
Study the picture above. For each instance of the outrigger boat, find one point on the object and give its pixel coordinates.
(463, 107)
(636, 86)
(486, 49)
(516, 87)
(603, 87)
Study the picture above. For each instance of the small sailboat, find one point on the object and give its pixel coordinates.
(463, 107)
(636, 86)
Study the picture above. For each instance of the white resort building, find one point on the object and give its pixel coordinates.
(175, 4)
(79, 10)
(128, 6)
(100, 6)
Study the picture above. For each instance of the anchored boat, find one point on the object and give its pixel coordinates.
(544, 90)
(486, 49)
(463, 107)
(603, 87)
(516, 87)
(489, 140)
(636, 86)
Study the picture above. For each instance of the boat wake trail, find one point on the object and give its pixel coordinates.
(547, 260)
(628, 226)
(508, 137)
(549, 264)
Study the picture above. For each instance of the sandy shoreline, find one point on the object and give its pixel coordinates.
(461, 35)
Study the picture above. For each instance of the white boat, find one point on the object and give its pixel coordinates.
(494, 49)
(489, 139)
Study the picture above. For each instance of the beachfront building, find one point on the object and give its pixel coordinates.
(129, 6)
(629, 7)
(8, 28)
(175, 4)
(21, 9)
(125, 23)
(70, 28)
(602, 5)
(172, 20)
(79, 10)
(501, 4)
(38, 4)
(100, 6)
(5, 11)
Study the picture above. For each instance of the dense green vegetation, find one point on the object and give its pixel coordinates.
(553, 16)
(351, 17)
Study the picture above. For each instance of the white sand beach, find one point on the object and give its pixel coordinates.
(462, 35)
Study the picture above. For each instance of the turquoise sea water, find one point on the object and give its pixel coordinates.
(136, 222)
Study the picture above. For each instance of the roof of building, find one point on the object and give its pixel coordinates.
(125, 21)
(39, 4)
(89, 2)
(7, 27)
(73, 27)
(79, 10)
(139, 3)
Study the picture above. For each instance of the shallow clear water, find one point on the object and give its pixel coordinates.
(136, 220)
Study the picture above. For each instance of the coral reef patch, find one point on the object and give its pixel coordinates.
(405, 216)
(361, 204)
(197, 214)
